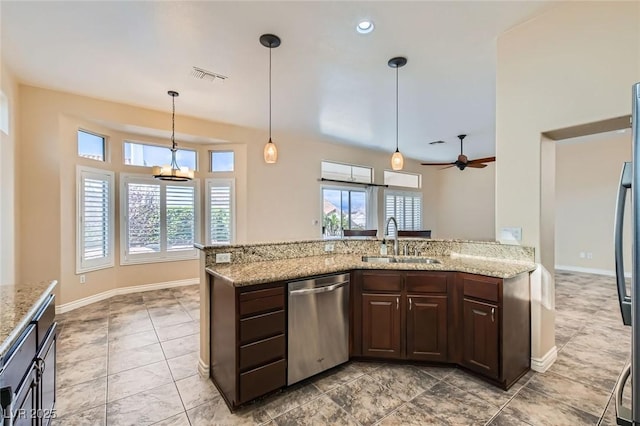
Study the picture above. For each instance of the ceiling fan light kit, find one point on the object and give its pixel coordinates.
(270, 152)
(463, 162)
(397, 160)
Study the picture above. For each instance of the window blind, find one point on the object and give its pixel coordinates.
(220, 212)
(406, 209)
(180, 212)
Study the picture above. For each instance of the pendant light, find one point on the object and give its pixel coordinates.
(397, 161)
(270, 151)
(172, 172)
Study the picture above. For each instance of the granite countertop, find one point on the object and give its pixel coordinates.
(244, 274)
(18, 304)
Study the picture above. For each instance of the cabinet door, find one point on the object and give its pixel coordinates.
(47, 380)
(381, 325)
(480, 352)
(427, 328)
(25, 403)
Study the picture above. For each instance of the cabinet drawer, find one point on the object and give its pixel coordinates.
(484, 289)
(262, 380)
(260, 352)
(44, 319)
(381, 281)
(20, 359)
(255, 302)
(262, 326)
(426, 282)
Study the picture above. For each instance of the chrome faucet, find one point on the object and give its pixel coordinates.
(395, 238)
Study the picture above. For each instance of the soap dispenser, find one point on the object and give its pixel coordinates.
(383, 247)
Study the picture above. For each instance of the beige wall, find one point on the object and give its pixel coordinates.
(465, 203)
(573, 65)
(8, 210)
(587, 175)
(274, 202)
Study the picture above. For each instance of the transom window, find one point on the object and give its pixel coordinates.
(140, 154)
(346, 172)
(222, 161)
(408, 180)
(91, 145)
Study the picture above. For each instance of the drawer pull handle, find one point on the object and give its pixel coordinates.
(493, 313)
(397, 303)
(409, 303)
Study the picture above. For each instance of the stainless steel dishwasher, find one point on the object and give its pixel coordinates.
(318, 325)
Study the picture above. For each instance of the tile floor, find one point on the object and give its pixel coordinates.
(132, 360)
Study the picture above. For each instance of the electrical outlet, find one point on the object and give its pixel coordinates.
(83, 279)
(328, 247)
(582, 255)
(589, 255)
(513, 233)
(223, 257)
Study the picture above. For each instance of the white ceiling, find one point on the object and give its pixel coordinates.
(328, 80)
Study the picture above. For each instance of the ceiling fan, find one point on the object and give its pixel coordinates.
(463, 162)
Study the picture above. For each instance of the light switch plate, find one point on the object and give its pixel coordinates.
(223, 257)
(328, 247)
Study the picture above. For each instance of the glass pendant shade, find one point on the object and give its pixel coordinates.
(270, 152)
(397, 161)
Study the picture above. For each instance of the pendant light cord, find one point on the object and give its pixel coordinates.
(270, 49)
(173, 124)
(396, 109)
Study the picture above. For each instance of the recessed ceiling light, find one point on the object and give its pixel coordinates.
(365, 26)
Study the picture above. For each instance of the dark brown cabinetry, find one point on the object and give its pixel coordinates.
(404, 315)
(248, 341)
(480, 349)
(28, 374)
(381, 325)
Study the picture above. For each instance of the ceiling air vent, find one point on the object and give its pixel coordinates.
(202, 74)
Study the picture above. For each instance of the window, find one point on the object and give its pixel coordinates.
(4, 113)
(159, 219)
(408, 180)
(343, 209)
(95, 219)
(139, 154)
(221, 161)
(406, 207)
(91, 146)
(346, 172)
(220, 211)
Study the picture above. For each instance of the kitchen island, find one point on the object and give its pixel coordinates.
(27, 352)
(468, 306)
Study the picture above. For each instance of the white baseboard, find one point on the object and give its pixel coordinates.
(66, 307)
(543, 364)
(203, 368)
(606, 272)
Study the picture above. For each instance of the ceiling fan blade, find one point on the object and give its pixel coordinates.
(476, 165)
(438, 164)
(482, 160)
(448, 167)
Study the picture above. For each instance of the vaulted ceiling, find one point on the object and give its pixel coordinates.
(329, 81)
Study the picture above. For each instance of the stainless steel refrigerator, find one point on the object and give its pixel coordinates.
(630, 298)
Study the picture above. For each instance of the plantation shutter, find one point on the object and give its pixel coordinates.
(95, 219)
(220, 211)
(406, 209)
(181, 206)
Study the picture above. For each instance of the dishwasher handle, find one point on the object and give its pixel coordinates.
(316, 290)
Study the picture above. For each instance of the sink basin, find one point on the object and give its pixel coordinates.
(397, 259)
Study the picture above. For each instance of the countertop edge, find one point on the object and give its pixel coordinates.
(24, 321)
(527, 268)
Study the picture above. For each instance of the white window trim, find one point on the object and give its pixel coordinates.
(218, 172)
(163, 255)
(95, 264)
(208, 184)
(402, 193)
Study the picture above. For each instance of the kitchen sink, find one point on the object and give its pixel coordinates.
(398, 259)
